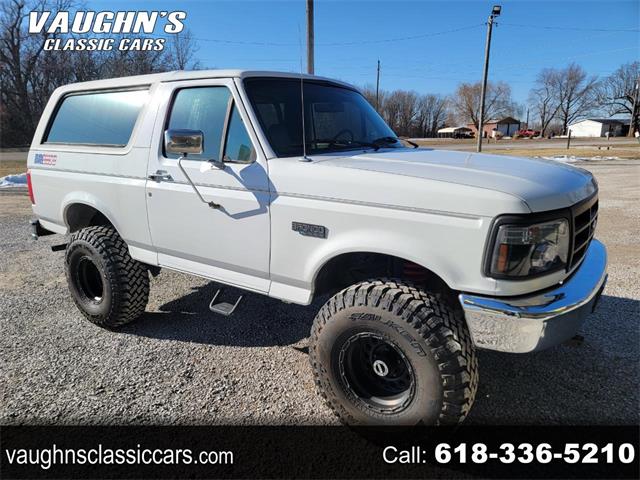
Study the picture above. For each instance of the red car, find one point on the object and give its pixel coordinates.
(528, 133)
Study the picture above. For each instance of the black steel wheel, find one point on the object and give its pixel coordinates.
(89, 280)
(376, 372)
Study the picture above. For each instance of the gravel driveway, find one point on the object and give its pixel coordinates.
(182, 364)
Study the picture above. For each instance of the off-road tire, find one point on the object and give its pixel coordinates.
(123, 282)
(424, 326)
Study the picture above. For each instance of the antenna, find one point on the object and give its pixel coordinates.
(304, 132)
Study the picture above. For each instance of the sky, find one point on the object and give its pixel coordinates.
(426, 46)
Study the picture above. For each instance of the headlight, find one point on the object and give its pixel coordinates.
(529, 250)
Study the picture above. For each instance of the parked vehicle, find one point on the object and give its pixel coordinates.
(425, 255)
(464, 135)
(528, 133)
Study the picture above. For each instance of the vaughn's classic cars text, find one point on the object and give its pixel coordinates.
(73, 32)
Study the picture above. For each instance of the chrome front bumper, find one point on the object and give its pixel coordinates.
(535, 322)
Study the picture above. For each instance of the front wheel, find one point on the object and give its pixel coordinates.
(386, 353)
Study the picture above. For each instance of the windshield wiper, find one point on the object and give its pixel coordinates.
(346, 143)
(375, 144)
(384, 140)
(390, 140)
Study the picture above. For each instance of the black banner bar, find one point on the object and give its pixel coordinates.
(319, 452)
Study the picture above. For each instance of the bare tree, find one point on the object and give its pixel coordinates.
(466, 102)
(575, 93)
(439, 115)
(121, 63)
(399, 110)
(183, 50)
(408, 103)
(543, 99)
(431, 114)
(369, 93)
(390, 110)
(20, 57)
(407, 112)
(29, 74)
(616, 93)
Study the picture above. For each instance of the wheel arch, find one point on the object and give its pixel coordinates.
(80, 210)
(381, 264)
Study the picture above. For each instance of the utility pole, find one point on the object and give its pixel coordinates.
(495, 11)
(527, 119)
(378, 89)
(310, 68)
(634, 109)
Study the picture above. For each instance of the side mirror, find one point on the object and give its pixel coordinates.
(184, 142)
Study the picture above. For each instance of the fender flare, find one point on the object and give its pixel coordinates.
(322, 256)
(85, 198)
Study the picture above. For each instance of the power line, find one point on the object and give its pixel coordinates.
(405, 38)
(576, 29)
(399, 39)
(502, 67)
(405, 72)
(333, 44)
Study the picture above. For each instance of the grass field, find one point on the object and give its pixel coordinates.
(9, 167)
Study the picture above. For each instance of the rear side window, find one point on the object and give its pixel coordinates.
(97, 118)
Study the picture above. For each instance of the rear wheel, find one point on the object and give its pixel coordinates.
(386, 353)
(107, 285)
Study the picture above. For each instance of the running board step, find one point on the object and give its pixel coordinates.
(223, 308)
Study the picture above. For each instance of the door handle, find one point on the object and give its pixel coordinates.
(160, 176)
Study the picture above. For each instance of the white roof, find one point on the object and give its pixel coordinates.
(604, 121)
(177, 75)
(452, 129)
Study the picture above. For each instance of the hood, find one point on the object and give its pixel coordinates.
(541, 184)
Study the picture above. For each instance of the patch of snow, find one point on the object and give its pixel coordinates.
(19, 180)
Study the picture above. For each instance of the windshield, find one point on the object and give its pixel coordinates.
(336, 118)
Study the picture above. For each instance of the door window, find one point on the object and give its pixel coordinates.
(238, 147)
(205, 109)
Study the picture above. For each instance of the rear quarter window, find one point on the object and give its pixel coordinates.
(96, 118)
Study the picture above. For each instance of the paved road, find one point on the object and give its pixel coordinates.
(182, 364)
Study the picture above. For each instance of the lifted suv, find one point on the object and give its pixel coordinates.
(293, 187)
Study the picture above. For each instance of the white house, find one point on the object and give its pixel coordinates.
(598, 127)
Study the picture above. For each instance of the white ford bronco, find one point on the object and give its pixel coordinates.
(292, 186)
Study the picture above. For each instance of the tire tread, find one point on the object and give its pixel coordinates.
(129, 282)
(442, 327)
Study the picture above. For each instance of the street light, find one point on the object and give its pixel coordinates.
(495, 12)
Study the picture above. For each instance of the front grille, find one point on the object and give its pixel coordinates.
(585, 217)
